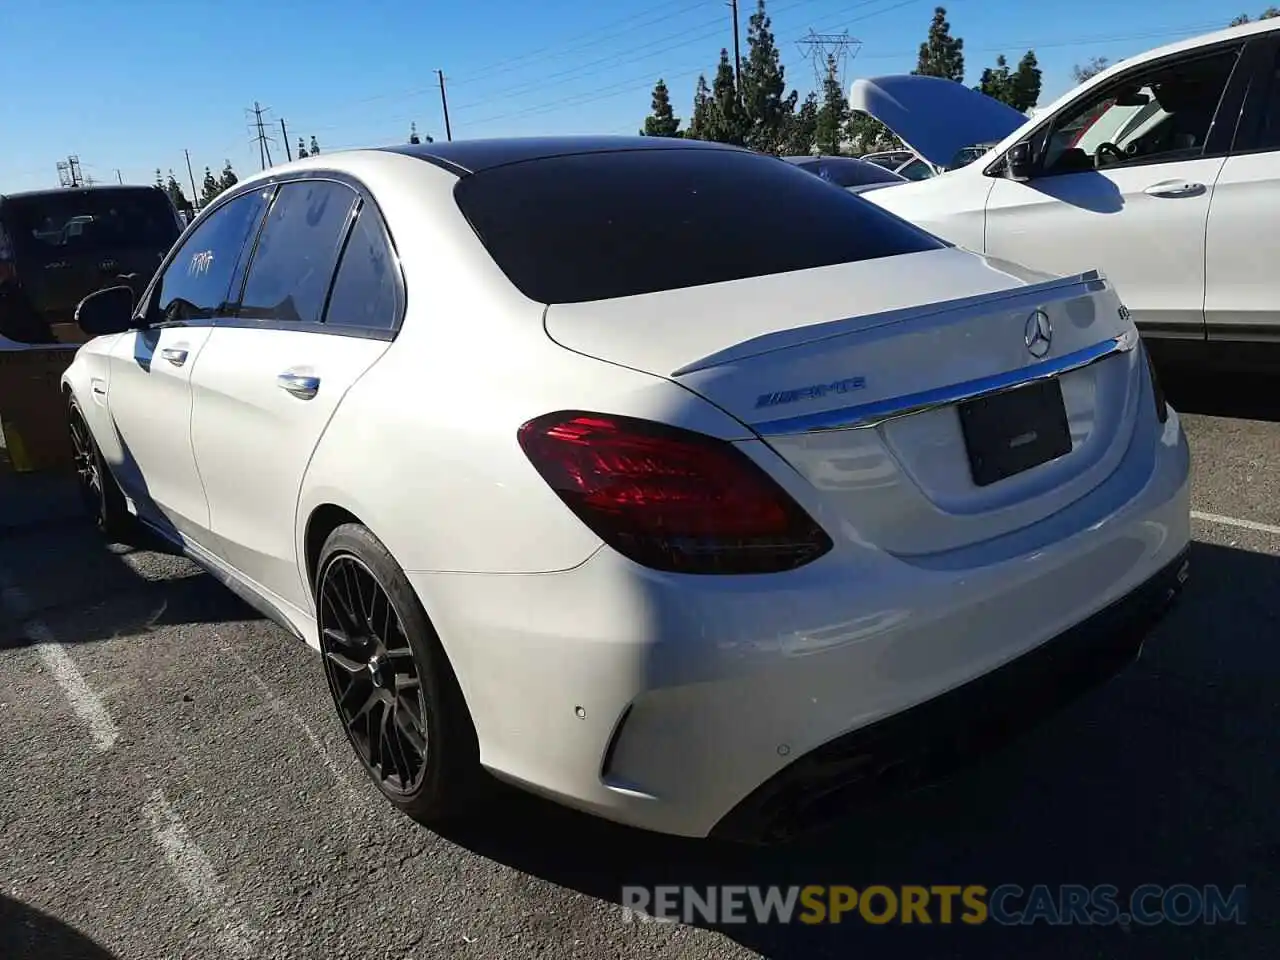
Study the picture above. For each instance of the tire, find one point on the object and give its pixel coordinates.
(450, 777)
(101, 495)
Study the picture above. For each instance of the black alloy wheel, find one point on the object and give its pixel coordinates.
(85, 454)
(99, 491)
(392, 684)
(372, 674)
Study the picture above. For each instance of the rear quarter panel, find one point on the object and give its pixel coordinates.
(423, 449)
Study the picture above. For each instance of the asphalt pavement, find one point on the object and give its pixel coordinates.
(175, 786)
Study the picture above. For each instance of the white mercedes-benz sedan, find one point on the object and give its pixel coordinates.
(654, 476)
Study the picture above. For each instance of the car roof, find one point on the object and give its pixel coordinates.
(473, 156)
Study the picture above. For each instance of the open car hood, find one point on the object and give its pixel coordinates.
(934, 117)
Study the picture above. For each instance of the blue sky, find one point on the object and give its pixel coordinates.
(128, 85)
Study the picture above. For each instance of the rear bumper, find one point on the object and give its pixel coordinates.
(666, 701)
(929, 740)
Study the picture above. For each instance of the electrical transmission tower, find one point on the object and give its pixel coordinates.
(840, 47)
(261, 137)
(69, 174)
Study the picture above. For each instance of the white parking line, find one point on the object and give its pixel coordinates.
(195, 872)
(283, 710)
(1235, 522)
(88, 706)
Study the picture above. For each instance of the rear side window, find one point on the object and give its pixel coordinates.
(196, 283)
(91, 222)
(599, 226)
(297, 251)
(365, 293)
(1268, 131)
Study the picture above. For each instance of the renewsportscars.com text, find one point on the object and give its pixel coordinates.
(971, 905)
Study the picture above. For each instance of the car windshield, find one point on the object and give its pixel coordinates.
(597, 226)
(90, 221)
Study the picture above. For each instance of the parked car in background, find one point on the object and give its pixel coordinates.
(572, 478)
(57, 246)
(855, 175)
(1163, 170)
(904, 163)
(967, 155)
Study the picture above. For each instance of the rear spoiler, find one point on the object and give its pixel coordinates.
(1031, 295)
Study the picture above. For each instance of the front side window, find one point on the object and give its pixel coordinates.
(365, 294)
(197, 283)
(292, 267)
(1160, 115)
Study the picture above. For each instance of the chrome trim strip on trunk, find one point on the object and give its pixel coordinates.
(865, 415)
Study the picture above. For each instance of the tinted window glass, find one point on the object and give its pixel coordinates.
(598, 226)
(848, 172)
(293, 264)
(91, 221)
(1159, 115)
(195, 285)
(364, 292)
(1268, 137)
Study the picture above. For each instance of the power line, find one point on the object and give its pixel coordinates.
(1078, 42)
(505, 67)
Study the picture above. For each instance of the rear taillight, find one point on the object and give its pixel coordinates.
(671, 499)
(1162, 405)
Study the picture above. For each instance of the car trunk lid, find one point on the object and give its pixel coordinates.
(900, 413)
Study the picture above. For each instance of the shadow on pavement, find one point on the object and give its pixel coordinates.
(1166, 775)
(1248, 396)
(28, 934)
(66, 572)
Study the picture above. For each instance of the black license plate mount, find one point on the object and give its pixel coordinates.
(1013, 431)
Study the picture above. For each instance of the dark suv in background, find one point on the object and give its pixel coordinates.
(58, 246)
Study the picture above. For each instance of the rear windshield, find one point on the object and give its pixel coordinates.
(604, 225)
(91, 221)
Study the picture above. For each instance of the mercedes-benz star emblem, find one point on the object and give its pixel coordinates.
(1038, 335)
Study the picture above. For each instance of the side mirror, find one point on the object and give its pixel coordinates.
(1019, 162)
(107, 311)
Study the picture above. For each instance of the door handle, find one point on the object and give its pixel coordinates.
(175, 355)
(1175, 188)
(299, 385)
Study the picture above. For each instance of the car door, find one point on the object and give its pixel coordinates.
(1123, 180)
(149, 386)
(1242, 287)
(309, 324)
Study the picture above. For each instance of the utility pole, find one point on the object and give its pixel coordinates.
(195, 197)
(444, 103)
(737, 52)
(285, 133)
(119, 179)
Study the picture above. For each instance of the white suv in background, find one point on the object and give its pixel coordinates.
(1161, 170)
